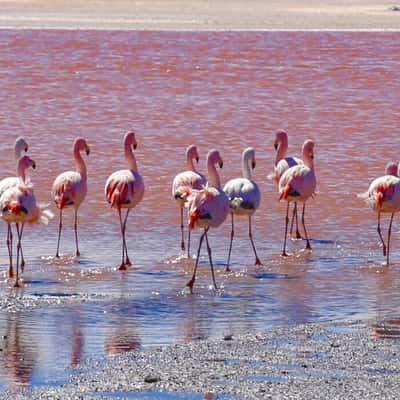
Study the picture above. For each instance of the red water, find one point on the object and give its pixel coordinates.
(217, 90)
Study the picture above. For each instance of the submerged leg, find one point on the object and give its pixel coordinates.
(227, 269)
(19, 234)
(378, 228)
(211, 263)
(188, 246)
(308, 245)
(284, 254)
(388, 239)
(76, 233)
(9, 246)
(257, 262)
(191, 282)
(59, 234)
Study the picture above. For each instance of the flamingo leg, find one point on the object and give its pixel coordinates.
(76, 233)
(388, 239)
(122, 267)
(378, 228)
(227, 269)
(191, 282)
(9, 246)
(127, 260)
(20, 251)
(210, 258)
(295, 218)
(257, 262)
(19, 234)
(182, 232)
(308, 246)
(284, 254)
(59, 234)
(188, 247)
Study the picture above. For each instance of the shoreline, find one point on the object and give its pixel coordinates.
(310, 361)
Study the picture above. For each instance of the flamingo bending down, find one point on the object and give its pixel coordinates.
(244, 197)
(18, 205)
(282, 164)
(125, 189)
(208, 207)
(69, 189)
(20, 146)
(183, 183)
(383, 196)
(298, 183)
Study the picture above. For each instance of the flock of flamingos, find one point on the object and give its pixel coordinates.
(206, 201)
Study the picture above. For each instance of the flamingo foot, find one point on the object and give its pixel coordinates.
(190, 285)
(57, 255)
(122, 267)
(16, 284)
(78, 253)
(284, 254)
(228, 269)
(258, 262)
(128, 262)
(308, 246)
(298, 236)
(11, 272)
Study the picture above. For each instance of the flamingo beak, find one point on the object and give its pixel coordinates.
(253, 164)
(197, 159)
(276, 146)
(26, 148)
(134, 146)
(87, 150)
(220, 163)
(33, 164)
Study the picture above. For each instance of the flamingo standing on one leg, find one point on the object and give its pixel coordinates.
(281, 165)
(125, 189)
(208, 207)
(244, 198)
(69, 189)
(383, 196)
(298, 183)
(18, 205)
(183, 183)
(20, 146)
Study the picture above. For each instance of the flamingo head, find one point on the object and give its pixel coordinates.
(249, 155)
(391, 169)
(20, 147)
(308, 150)
(130, 139)
(280, 137)
(192, 153)
(81, 145)
(213, 157)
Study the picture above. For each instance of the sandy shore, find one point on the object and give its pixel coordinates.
(200, 14)
(315, 361)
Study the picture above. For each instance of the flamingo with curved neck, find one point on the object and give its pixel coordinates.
(208, 207)
(183, 183)
(298, 184)
(244, 198)
(125, 189)
(69, 189)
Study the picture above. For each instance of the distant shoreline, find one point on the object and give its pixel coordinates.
(200, 15)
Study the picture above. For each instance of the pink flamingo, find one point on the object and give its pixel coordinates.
(208, 207)
(281, 165)
(298, 183)
(184, 182)
(125, 189)
(69, 189)
(383, 196)
(20, 146)
(244, 197)
(18, 205)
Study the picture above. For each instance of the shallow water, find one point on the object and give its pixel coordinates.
(218, 90)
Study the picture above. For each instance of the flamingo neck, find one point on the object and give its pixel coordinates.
(282, 150)
(308, 161)
(190, 164)
(21, 168)
(213, 176)
(246, 166)
(129, 157)
(80, 164)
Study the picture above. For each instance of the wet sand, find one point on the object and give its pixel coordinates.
(200, 15)
(314, 361)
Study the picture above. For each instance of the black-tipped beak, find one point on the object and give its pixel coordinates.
(135, 146)
(220, 163)
(33, 165)
(26, 149)
(276, 146)
(312, 156)
(253, 164)
(87, 151)
(197, 159)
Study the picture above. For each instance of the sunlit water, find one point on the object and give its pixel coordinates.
(218, 90)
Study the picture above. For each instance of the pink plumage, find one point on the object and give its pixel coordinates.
(125, 189)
